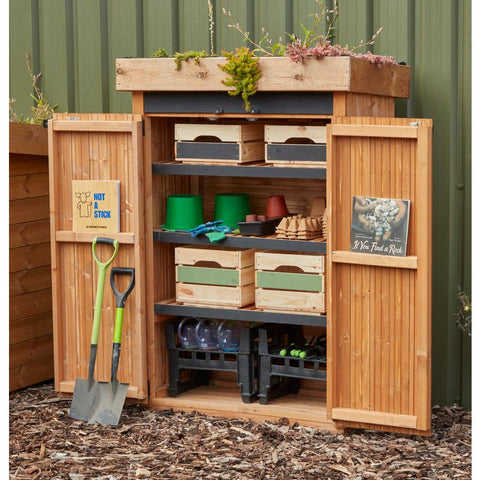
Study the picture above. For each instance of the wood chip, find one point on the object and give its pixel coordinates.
(46, 443)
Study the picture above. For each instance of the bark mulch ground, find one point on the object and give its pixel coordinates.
(46, 444)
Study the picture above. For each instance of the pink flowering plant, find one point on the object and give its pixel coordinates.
(312, 44)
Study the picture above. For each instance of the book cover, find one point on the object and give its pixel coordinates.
(96, 206)
(380, 226)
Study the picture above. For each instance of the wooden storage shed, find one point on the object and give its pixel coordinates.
(30, 313)
(378, 308)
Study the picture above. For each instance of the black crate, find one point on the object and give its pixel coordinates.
(280, 375)
(202, 361)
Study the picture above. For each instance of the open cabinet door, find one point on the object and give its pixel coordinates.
(96, 147)
(379, 306)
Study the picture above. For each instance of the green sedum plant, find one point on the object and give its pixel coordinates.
(242, 67)
(185, 56)
(160, 53)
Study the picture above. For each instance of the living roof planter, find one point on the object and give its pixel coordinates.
(347, 74)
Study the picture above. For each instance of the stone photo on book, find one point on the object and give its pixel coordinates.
(379, 225)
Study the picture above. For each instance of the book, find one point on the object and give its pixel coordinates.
(380, 226)
(96, 206)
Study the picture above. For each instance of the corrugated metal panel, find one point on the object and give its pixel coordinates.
(74, 44)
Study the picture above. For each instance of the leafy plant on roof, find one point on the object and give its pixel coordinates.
(312, 44)
(244, 72)
(42, 109)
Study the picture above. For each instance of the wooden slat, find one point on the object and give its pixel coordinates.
(423, 294)
(224, 132)
(28, 328)
(28, 186)
(91, 125)
(356, 258)
(297, 302)
(27, 281)
(225, 401)
(376, 418)
(224, 257)
(31, 351)
(215, 295)
(29, 304)
(30, 374)
(69, 387)
(384, 131)
(28, 210)
(28, 138)
(86, 237)
(272, 261)
(23, 164)
(30, 256)
(281, 133)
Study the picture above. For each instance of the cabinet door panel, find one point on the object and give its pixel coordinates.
(96, 147)
(379, 307)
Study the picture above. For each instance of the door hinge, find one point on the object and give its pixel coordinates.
(143, 128)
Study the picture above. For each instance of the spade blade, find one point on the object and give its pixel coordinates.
(83, 399)
(109, 401)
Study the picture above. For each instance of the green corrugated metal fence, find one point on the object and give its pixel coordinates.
(74, 43)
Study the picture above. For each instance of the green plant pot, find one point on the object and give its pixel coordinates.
(183, 212)
(232, 208)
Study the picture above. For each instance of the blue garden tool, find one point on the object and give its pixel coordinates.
(215, 231)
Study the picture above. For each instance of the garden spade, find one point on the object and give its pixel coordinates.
(110, 396)
(86, 389)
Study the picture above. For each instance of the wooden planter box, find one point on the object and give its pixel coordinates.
(279, 74)
(215, 276)
(30, 315)
(213, 144)
(280, 286)
(308, 147)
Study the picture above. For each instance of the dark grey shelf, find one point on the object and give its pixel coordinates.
(239, 241)
(244, 315)
(239, 171)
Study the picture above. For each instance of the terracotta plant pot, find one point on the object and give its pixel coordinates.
(276, 206)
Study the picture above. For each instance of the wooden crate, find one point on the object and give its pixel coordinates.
(290, 145)
(214, 144)
(290, 281)
(215, 276)
(30, 306)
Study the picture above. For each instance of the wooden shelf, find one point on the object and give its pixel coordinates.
(269, 243)
(246, 314)
(87, 237)
(305, 409)
(356, 258)
(247, 171)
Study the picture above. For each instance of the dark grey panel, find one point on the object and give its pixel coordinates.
(243, 242)
(306, 103)
(238, 171)
(240, 314)
(296, 152)
(220, 151)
